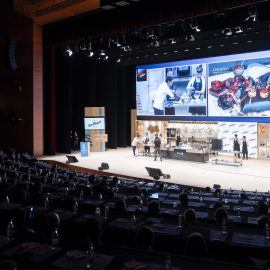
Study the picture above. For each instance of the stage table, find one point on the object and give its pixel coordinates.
(185, 154)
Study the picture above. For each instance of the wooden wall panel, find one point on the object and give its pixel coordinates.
(37, 91)
(48, 11)
(94, 111)
(16, 92)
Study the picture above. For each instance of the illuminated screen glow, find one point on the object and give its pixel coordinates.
(207, 88)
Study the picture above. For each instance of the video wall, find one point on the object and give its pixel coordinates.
(224, 86)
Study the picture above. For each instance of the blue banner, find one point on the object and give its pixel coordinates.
(84, 146)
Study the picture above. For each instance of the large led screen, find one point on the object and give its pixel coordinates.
(224, 86)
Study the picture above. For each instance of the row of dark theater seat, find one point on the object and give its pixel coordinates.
(28, 182)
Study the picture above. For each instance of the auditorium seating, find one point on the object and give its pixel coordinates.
(223, 225)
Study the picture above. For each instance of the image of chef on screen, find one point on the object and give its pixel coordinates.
(196, 86)
(161, 95)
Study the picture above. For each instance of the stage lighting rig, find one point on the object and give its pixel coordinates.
(190, 38)
(252, 14)
(194, 26)
(68, 50)
(227, 31)
(238, 30)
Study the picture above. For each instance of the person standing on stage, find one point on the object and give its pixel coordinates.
(134, 144)
(71, 141)
(157, 144)
(236, 146)
(162, 92)
(75, 141)
(178, 138)
(244, 148)
(146, 141)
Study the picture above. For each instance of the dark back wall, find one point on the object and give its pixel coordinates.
(16, 91)
(81, 83)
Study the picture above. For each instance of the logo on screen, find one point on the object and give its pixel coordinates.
(94, 123)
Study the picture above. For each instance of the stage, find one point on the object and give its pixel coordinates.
(253, 174)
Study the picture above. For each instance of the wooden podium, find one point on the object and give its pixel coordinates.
(97, 137)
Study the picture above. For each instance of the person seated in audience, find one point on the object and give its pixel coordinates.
(144, 238)
(184, 199)
(120, 206)
(218, 205)
(217, 192)
(221, 214)
(196, 246)
(263, 208)
(190, 216)
(262, 220)
(136, 190)
(207, 189)
(243, 195)
(153, 208)
(114, 181)
(133, 199)
(161, 186)
(6, 187)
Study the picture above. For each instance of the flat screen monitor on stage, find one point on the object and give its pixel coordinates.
(217, 145)
(154, 172)
(224, 86)
(94, 123)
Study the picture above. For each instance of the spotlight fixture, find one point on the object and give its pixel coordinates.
(127, 48)
(69, 51)
(91, 53)
(172, 40)
(227, 31)
(252, 14)
(109, 42)
(82, 46)
(190, 38)
(238, 29)
(102, 52)
(106, 57)
(194, 26)
(156, 43)
(118, 60)
(150, 34)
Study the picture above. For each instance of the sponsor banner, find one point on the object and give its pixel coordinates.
(227, 130)
(85, 149)
(94, 123)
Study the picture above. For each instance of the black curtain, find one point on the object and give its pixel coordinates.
(63, 103)
(79, 83)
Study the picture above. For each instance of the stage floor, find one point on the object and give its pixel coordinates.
(253, 174)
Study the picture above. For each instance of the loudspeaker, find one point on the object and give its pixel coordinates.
(104, 166)
(12, 53)
(71, 159)
(217, 145)
(217, 186)
(154, 172)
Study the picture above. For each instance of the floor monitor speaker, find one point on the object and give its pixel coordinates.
(71, 159)
(105, 166)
